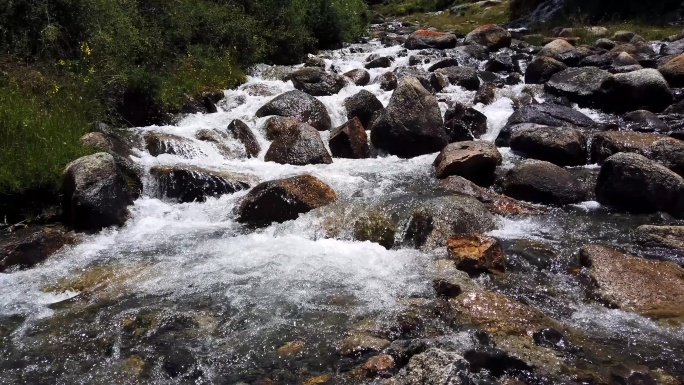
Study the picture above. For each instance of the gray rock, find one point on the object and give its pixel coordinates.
(362, 105)
(608, 143)
(644, 121)
(94, 193)
(315, 81)
(411, 125)
(298, 145)
(475, 161)
(427, 39)
(435, 367)
(359, 76)
(465, 77)
(242, 133)
(643, 89)
(581, 85)
(388, 81)
(540, 70)
(491, 36)
(562, 146)
(543, 182)
(464, 123)
(300, 105)
(670, 153)
(631, 182)
(381, 62)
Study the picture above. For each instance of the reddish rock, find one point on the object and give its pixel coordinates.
(476, 253)
(349, 141)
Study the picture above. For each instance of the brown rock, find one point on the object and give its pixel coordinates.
(673, 71)
(244, 135)
(476, 253)
(422, 39)
(608, 143)
(298, 145)
(283, 199)
(30, 246)
(473, 160)
(652, 288)
(318, 380)
(491, 36)
(349, 141)
(276, 125)
(669, 237)
(291, 348)
(378, 365)
(360, 343)
(359, 76)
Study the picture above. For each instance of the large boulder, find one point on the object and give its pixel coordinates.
(545, 114)
(277, 125)
(349, 141)
(434, 220)
(95, 194)
(298, 145)
(299, 105)
(644, 89)
(465, 77)
(670, 153)
(411, 125)
(543, 182)
(27, 247)
(362, 105)
(644, 121)
(540, 70)
(283, 200)
(242, 133)
(423, 39)
(194, 184)
(608, 143)
(491, 36)
(634, 183)
(563, 146)
(315, 81)
(651, 288)
(475, 161)
(464, 123)
(673, 71)
(581, 85)
(562, 51)
(359, 76)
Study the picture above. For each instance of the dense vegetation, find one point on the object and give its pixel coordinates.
(66, 64)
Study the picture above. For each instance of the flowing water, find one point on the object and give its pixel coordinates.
(184, 294)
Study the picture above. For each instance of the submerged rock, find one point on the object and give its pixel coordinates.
(634, 183)
(28, 247)
(94, 193)
(194, 184)
(298, 145)
(475, 161)
(317, 82)
(299, 105)
(411, 125)
(476, 253)
(158, 144)
(349, 141)
(422, 39)
(283, 199)
(496, 203)
(652, 288)
(543, 182)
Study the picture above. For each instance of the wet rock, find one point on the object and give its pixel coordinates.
(634, 183)
(381, 365)
(360, 343)
(644, 121)
(28, 247)
(94, 193)
(446, 288)
(449, 62)
(349, 141)
(411, 125)
(388, 81)
(434, 367)
(434, 220)
(632, 375)
(381, 62)
(668, 237)
(496, 203)
(486, 94)
(476, 253)
(496, 313)
(644, 89)
(298, 145)
(415, 72)
(670, 153)
(473, 160)
(651, 288)
(299, 105)
(608, 143)
(540, 70)
(546, 114)
(362, 106)
(543, 182)
(359, 76)
(242, 133)
(422, 39)
(283, 199)
(496, 361)
(464, 123)
(314, 61)
(491, 36)
(563, 146)
(158, 144)
(276, 125)
(291, 348)
(376, 227)
(553, 339)
(561, 51)
(465, 77)
(195, 184)
(673, 71)
(317, 82)
(581, 85)
(258, 89)
(500, 62)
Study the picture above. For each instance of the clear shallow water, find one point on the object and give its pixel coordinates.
(185, 286)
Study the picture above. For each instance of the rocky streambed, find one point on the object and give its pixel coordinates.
(421, 208)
